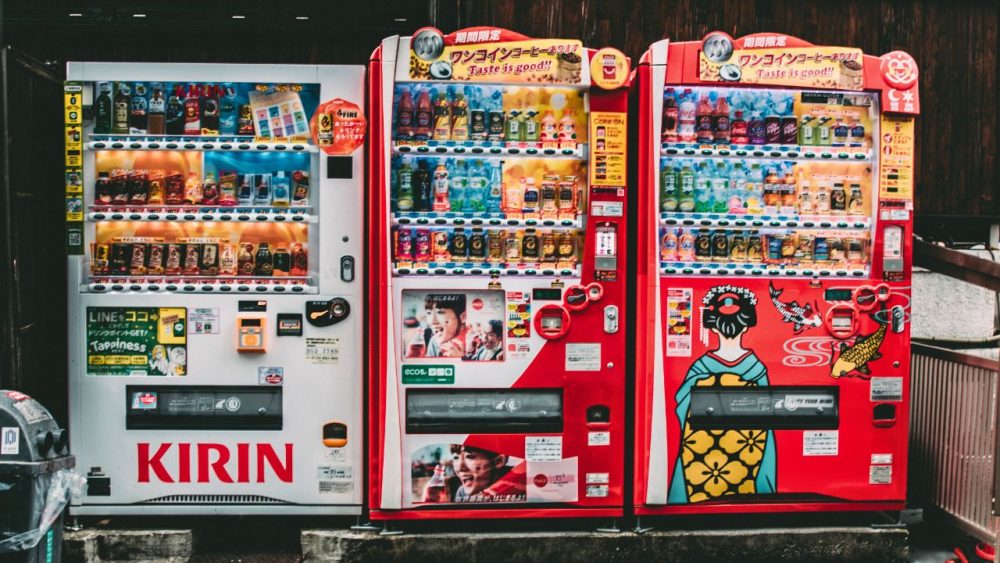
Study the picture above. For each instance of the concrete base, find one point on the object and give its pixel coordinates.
(764, 545)
(107, 546)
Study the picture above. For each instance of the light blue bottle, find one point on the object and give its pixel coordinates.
(720, 188)
(458, 190)
(495, 198)
(478, 190)
(703, 189)
(737, 189)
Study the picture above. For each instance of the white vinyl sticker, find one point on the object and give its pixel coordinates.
(543, 448)
(583, 357)
(336, 487)
(10, 440)
(335, 455)
(270, 375)
(598, 438)
(899, 215)
(881, 459)
(597, 491)
(203, 321)
(886, 389)
(607, 208)
(820, 442)
(880, 475)
(553, 481)
(334, 473)
(598, 478)
(322, 350)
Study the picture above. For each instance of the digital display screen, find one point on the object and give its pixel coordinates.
(546, 294)
(251, 322)
(837, 295)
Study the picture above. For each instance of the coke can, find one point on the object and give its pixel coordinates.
(403, 245)
(423, 246)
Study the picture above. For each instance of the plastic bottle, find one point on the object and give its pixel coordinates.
(514, 132)
(807, 131)
(532, 198)
(549, 130)
(532, 129)
(280, 190)
(262, 195)
(703, 189)
(496, 188)
(459, 118)
(720, 121)
(669, 192)
(856, 134)
(209, 191)
(807, 202)
(441, 187)
(668, 130)
(442, 118)
(210, 111)
(423, 117)
(824, 134)
(404, 186)
(686, 118)
(754, 199)
(720, 188)
(495, 118)
(737, 189)
(513, 196)
(478, 121)
(756, 129)
(119, 115)
(228, 112)
(103, 110)
(157, 111)
(478, 188)
(567, 127)
(668, 247)
(739, 130)
(685, 178)
(840, 134)
(175, 114)
(192, 111)
(703, 116)
(789, 193)
(772, 192)
(458, 190)
(423, 187)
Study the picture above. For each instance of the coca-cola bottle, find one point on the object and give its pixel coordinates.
(437, 488)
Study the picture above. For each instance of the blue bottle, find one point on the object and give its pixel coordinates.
(495, 196)
(458, 190)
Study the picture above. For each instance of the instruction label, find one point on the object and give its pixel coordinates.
(203, 321)
(608, 133)
(543, 448)
(820, 442)
(323, 350)
(583, 357)
(886, 389)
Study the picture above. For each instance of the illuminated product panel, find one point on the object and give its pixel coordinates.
(215, 231)
(775, 185)
(498, 203)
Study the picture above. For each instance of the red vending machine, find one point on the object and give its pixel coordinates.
(775, 218)
(497, 226)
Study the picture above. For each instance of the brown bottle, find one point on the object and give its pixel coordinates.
(300, 261)
(282, 261)
(244, 262)
(264, 260)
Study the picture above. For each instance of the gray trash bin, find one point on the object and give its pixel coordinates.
(36, 480)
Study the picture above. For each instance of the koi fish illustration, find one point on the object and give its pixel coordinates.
(857, 356)
(801, 316)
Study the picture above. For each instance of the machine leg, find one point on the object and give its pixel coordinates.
(613, 529)
(366, 527)
(386, 531)
(638, 527)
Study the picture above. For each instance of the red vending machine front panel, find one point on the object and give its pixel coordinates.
(775, 214)
(498, 234)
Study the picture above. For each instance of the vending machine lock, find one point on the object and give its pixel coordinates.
(611, 319)
(326, 313)
(347, 268)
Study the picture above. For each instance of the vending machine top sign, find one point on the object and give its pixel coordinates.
(497, 208)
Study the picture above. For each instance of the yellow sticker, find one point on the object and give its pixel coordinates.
(74, 207)
(609, 68)
(171, 327)
(809, 67)
(896, 158)
(74, 146)
(609, 136)
(538, 60)
(74, 181)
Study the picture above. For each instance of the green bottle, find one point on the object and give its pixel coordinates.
(686, 181)
(404, 188)
(668, 189)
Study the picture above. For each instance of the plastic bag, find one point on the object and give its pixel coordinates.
(49, 505)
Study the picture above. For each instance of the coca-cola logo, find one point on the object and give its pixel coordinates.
(541, 480)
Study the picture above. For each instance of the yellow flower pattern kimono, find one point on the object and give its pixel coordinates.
(718, 463)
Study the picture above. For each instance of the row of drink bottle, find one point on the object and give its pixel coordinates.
(707, 118)
(724, 187)
(779, 247)
(190, 109)
(199, 259)
(457, 116)
(159, 187)
(456, 185)
(510, 246)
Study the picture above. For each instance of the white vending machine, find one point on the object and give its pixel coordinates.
(214, 227)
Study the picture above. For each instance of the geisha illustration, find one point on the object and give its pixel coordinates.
(716, 463)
